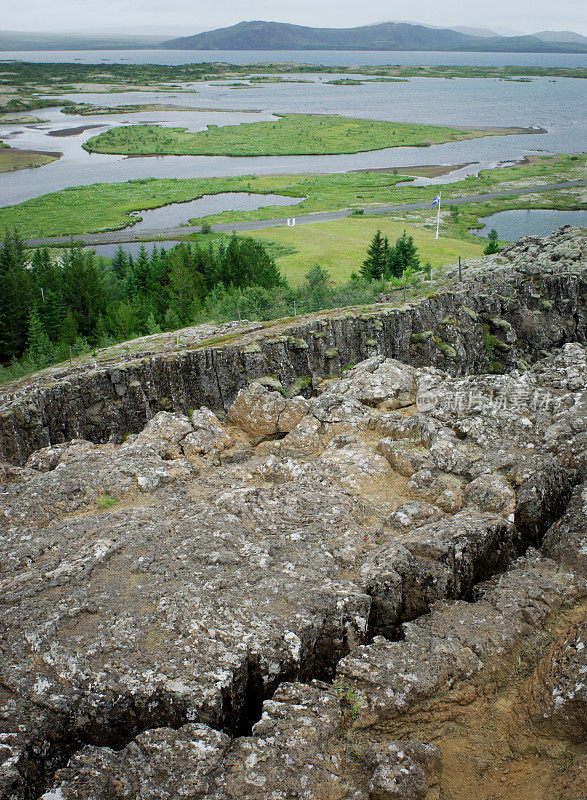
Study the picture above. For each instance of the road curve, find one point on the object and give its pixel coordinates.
(127, 235)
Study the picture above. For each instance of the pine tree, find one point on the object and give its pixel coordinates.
(69, 328)
(141, 270)
(152, 326)
(407, 252)
(83, 289)
(377, 253)
(120, 263)
(16, 296)
(394, 267)
(52, 312)
(492, 245)
(39, 351)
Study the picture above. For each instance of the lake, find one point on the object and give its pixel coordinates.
(176, 214)
(555, 104)
(340, 58)
(510, 225)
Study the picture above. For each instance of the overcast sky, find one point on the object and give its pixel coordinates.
(519, 15)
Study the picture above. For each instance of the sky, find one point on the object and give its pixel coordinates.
(195, 15)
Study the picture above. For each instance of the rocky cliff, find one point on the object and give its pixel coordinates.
(530, 298)
(377, 591)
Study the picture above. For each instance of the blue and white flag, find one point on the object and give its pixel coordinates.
(436, 200)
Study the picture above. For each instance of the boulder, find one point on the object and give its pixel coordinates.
(379, 382)
(257, 410)
(160, 764)
(493, 494)
(208, 435)
(566, 539)
(164, 433)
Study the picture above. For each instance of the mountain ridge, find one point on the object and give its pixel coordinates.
(262, 35)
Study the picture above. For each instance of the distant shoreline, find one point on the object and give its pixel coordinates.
(133, 48)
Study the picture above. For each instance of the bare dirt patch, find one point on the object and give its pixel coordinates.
(490, 749)
(12, 159)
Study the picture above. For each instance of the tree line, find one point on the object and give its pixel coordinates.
(52, 305)
(49, 304)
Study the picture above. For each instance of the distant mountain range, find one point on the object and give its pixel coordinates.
(560, 36)
(282, 36)
(384, 36)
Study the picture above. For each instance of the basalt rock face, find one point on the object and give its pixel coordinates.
(373, 592)
(530, 298)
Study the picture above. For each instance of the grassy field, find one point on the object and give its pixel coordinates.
(105, 206)
(99, 207)
(292, 134)
(340, 246)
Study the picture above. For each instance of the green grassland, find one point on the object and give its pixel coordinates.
(105, 206)
(292, 134)
(361, 190)
(340, 245)
(100, 207)
(29, 76)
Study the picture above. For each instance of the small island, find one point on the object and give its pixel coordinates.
(291, 134)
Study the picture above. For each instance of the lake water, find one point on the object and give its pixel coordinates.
(558, 106)
(510, 225)
(179, 213)
(341, 58)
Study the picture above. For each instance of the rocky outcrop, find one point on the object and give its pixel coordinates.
(566, 540)
(520, 307)
(454, 642)
(307, 597)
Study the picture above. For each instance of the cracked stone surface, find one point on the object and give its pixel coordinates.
(173, 607)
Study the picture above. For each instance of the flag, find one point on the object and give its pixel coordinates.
(436, 200)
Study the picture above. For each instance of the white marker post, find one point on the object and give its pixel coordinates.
(291, 222)
(438, 215)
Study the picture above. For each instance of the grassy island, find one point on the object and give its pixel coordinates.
(291, 134)
(106, 206)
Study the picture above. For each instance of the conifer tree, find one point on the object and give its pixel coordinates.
(374, 265)
(69, 329)
(52, 312)
(39, 350)
(407, 252)
(120, 263)
(394, 267)
(16, 296)
(492, 245)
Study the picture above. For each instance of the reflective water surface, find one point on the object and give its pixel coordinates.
(510, 225)
(556, 104)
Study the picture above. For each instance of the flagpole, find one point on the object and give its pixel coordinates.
(438, 214)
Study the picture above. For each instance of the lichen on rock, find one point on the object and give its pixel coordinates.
(364, 592)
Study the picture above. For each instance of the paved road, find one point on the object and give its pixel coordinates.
(112, 237)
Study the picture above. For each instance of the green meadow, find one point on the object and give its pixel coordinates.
(291, 134)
